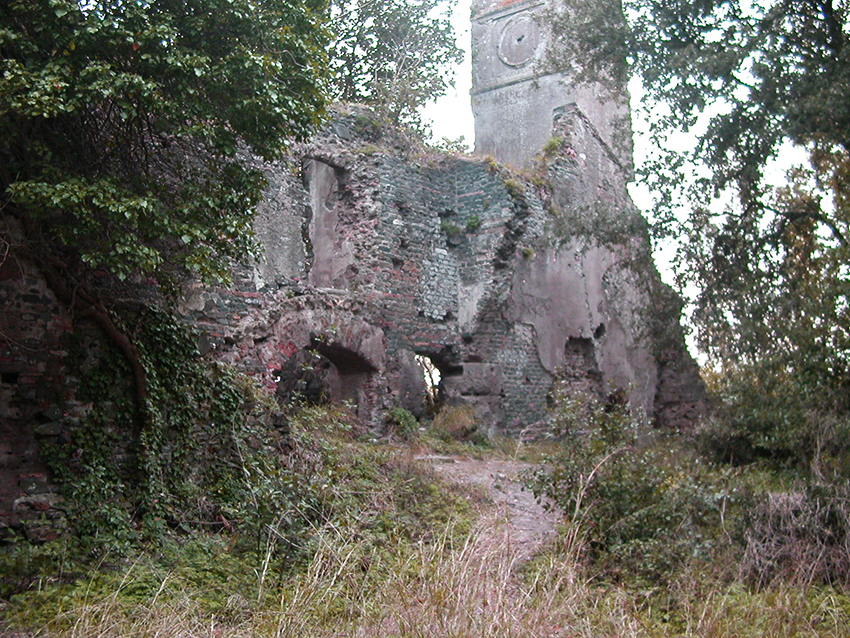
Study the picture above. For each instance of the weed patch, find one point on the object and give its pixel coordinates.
(327, 484)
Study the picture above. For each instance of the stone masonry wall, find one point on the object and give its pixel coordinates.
(39, 377)
(493, 276)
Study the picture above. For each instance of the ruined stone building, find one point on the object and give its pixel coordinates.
(376, 253)
(507, 272)
(505, 280)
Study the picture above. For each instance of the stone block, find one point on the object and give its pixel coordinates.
(35, 503)
(54, 428)
(34, 483)
(477, 379)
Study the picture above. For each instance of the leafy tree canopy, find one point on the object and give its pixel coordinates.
(122, 123)
(748, 78)
(392, 54)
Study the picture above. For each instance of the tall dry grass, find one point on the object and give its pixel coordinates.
(434, 589)
(476, 589)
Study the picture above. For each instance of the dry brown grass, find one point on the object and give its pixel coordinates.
(797, 537)
(474, 587)
(474, 590)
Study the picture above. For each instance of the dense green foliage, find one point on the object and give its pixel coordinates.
(647, 508)
(392, 54)
(213, 499)
(640, 511)
(761, 72)
(121, 123)
(192, 462)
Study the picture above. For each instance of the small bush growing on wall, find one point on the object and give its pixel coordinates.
(553, 145)
(450, 229)
(515, 188)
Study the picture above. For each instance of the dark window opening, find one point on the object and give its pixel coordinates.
(9, 378)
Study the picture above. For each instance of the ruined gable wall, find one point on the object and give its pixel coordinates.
(503, 281)
(417, 242)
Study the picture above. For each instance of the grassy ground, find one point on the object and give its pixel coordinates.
(399, 552)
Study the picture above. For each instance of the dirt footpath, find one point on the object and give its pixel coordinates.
(529, 525)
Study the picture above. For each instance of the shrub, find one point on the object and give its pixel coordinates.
(401, 423)
(553, 146)
(457, 423)
(787, 421)
(640, 505)
(450, 229)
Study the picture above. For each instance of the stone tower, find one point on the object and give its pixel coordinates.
(515, 92)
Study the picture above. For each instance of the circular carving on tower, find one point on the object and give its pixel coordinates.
(519, 41)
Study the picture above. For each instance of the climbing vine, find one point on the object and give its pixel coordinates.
(205, 433)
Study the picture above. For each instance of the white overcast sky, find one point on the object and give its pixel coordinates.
(451, 115)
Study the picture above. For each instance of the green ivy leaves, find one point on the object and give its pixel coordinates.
(122, 124)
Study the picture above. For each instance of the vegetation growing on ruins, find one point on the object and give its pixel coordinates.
(657, 540)
(227, 507)
(769, 263)
(122, 123)
(124, 128)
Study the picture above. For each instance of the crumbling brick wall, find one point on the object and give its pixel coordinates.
(39, 377)
(493, 276)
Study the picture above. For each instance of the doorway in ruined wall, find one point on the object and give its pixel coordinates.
(430, 374)
(435, 365)
(326, 373)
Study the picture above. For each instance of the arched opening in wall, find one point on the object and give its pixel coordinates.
(350, 373)
(303, 378)
(326, 372)
(432, 377)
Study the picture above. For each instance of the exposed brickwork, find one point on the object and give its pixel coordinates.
(37, 396)
(461, 260)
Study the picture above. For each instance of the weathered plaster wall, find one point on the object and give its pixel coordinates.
(503, 282)
(280, 222)
(515, 91)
